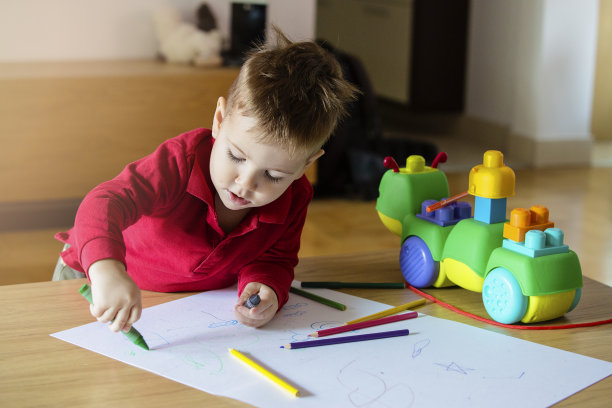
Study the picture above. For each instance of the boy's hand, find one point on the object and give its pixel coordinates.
(263, 312)
(116, 298)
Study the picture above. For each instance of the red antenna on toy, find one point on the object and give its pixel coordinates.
(390, 163)
(440, 158)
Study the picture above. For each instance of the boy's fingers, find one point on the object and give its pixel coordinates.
(255, 312)
(133, 317)
(105, 315)
(248, 317)
(96, 311)
(241, 299)
(246, 294)
(109, 315)
(262, 308)
(242, 310)
(257, 321)
(120, 320)
(92, 311)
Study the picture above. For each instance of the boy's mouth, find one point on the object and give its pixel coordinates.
(237, 200)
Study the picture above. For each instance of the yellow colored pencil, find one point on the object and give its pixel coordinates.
(278, 381)
(389, 312)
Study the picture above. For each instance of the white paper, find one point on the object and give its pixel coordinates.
(441, 363)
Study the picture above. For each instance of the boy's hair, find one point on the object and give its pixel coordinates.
(295, 92)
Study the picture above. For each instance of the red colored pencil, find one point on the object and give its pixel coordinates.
(361, 325)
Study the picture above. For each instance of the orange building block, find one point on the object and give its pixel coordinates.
(523, 220)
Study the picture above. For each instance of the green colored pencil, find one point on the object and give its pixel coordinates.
(359, 285)
(317, 298)
(133, 335)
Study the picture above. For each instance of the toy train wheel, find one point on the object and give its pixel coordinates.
(577, 296)
(503, 298)
(418, 266)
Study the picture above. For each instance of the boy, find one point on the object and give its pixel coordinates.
(210, 208)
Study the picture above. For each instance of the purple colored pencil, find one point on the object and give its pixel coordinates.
(347, 339)
(362, 325)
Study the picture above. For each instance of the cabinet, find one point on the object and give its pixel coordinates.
(67, 126)
(413, 50)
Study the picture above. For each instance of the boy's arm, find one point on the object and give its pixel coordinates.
(143, 187)
(274, 268)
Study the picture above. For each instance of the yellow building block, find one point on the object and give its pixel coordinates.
(492, 178)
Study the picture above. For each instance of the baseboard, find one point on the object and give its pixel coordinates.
(522, 149)
(483, 132)
(37, 214)
(550, 153)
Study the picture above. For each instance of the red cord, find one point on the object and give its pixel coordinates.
(507, 326)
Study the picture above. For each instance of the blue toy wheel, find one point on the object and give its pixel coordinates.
(417, 265)
(503, 298)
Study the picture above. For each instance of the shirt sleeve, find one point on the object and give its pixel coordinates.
(147, 186)
(275, 267)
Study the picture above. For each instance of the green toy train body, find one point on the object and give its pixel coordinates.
(521, 266)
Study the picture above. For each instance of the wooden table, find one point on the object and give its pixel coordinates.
(39, 370)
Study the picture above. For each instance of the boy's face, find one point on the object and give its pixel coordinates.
(245, 172)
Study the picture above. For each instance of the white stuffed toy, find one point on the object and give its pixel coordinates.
(181, 42)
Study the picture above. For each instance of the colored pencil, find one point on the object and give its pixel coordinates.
(346, 339)
(317, 298)
(275, 379)
(362, 325)
(358, 285)
(445, 202)
(389, 312)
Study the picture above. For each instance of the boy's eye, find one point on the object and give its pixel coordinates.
(235, 159)
(232, 157)
(272, 178)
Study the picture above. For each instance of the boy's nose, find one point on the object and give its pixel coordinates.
(247, 180)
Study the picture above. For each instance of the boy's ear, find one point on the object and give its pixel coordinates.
(218, 117)
(313, 158)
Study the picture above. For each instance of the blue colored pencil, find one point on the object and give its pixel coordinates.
(346, 339)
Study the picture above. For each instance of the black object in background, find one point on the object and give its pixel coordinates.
(352, 165)
(439, 55)
(205, 18)
(248, 29)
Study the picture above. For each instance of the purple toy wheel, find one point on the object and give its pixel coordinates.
(417, 265)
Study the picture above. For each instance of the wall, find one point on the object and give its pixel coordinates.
(491, 60)
(35, 30)
(531, 72)
(602, 101)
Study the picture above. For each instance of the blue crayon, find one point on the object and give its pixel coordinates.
(252, 301)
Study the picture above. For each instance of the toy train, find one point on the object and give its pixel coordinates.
(521, 266)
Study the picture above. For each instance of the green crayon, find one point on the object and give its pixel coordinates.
(133, 335)
(359, 285)
(317, 298)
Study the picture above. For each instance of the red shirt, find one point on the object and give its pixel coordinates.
(158, 218)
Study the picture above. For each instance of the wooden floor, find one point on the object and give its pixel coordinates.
(579, 200)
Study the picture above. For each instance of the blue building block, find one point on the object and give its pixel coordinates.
(490, 210)
(448, 215)
(539, 243)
